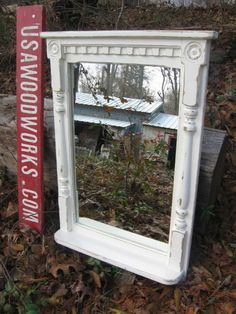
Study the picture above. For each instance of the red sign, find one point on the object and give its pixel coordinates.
(30, 96)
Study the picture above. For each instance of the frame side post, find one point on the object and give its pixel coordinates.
(60, 112)
(195, 60)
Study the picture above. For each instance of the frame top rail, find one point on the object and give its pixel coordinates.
(176, 34)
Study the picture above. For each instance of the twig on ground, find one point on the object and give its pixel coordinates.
(11, 153)
(211, 297)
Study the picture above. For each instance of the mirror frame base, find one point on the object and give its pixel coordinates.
(140, 260)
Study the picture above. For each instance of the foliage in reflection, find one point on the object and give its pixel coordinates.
(129, 189)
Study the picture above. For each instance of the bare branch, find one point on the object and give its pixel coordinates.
(120, 14)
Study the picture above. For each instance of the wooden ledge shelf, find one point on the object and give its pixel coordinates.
(122, 249)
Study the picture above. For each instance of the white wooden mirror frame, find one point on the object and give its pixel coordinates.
(187, 50)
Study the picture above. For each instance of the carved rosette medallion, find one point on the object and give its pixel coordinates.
(193, 51)
(53, 48)
(190, 114)
(59, 101)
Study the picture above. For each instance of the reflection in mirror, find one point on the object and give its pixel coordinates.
(126, 120)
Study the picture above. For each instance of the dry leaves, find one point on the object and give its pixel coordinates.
(177, 297)
(226, 307)
(56, 298)
(96, 278)
(11, 210)
(56, 268)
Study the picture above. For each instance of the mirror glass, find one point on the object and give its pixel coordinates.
(125, 123)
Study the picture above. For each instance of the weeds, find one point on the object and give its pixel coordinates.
(13, 299)
(122, 189)
(229, 95)
(207, 213)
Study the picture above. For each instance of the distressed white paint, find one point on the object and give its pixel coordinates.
(187, 50)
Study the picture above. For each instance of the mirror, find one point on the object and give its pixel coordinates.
(114, 116)
(125, 124)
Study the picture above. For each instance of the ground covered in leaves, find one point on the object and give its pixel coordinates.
(39, 276)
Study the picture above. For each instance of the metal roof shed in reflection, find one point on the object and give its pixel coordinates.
(130, 104)
(95, 120)
(164, 120)
(99, 109)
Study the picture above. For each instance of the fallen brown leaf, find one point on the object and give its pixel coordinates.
(141, 311)
(129, 304)
(117, 311)
(165, 292)
(96, 278)
(125, 278)
(17, 247)
(6, 251)
(10, 211)
(210, 309)
(195, 290)
(227, 307)
(55, 298)
(232, 294)
(61, 291)
(65, 268)
(202, 271)
(30, 280)
(73, 311)
(37, 249)
(177, 297)
(192, 309)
